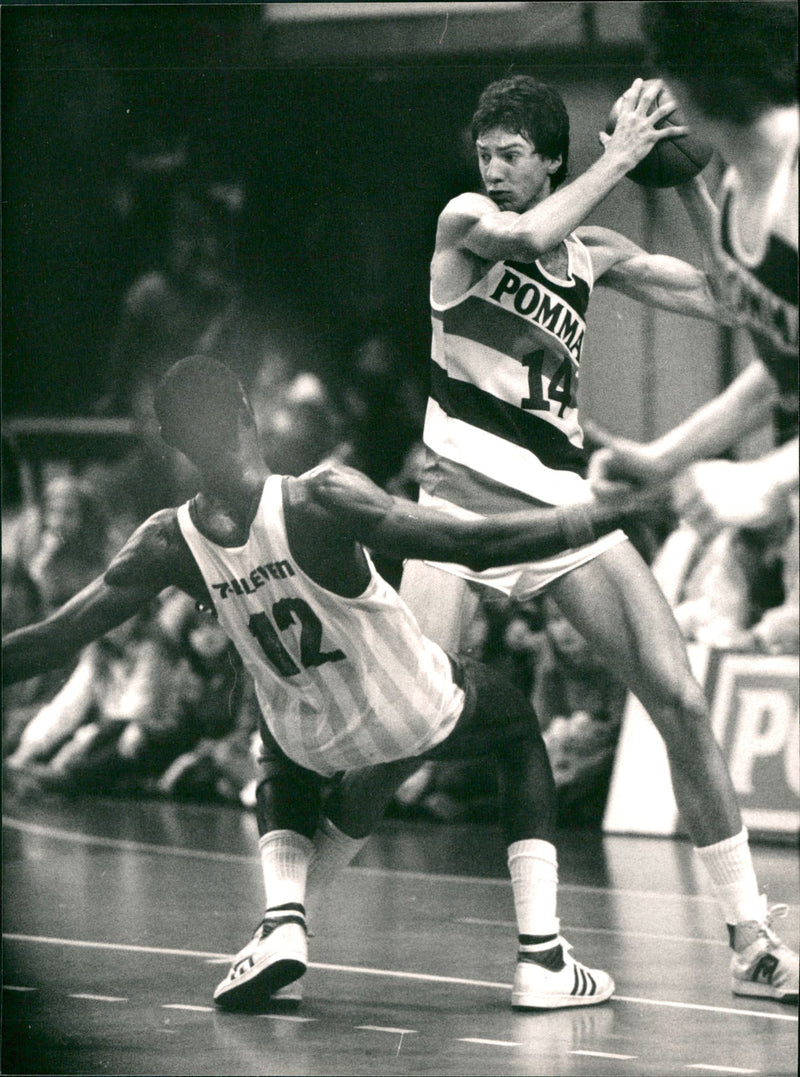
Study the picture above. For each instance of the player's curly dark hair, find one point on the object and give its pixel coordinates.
(198, 404)
(736, 59)
(533, 109)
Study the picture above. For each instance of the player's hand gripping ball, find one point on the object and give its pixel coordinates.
(672, 160)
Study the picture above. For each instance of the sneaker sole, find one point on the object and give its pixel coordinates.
(253, 989)
(557, 1002)
(747, 989)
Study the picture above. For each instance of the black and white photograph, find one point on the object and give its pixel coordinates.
(400, 538)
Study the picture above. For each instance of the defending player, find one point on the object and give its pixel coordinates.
(345, 679)
(511, 277)
(734, 66)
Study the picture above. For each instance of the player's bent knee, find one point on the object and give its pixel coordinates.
(680, 711)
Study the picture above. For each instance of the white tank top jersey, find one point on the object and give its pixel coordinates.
(342, 682)
(501, 426)
(762, 284)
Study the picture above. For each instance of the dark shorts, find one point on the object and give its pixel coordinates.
(495, 714)
(495, 711)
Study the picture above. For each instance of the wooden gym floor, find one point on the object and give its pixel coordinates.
(120, 917)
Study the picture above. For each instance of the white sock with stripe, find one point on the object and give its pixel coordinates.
(285, 856)
(533, 866)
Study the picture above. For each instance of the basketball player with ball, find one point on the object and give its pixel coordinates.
(511, 276)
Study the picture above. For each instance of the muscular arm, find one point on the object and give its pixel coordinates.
(473, 222)
(150, 560)
(657, 279)
(402, 529)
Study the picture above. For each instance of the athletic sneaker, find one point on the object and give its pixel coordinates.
(762, 966)
(548, 977)
(276, 955)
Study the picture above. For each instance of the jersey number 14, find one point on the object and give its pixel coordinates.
(559, 387)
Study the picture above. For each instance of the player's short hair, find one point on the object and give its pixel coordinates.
(533, 109)
(736, 59)
(198, 404)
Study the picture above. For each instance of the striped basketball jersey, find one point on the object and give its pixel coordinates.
(501, 426)
(341, 682)
(762, 285)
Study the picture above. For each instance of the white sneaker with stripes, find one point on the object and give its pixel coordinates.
(275, 957)
(762, 966)
(548, 978)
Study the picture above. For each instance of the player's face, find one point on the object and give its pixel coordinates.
(514, 174)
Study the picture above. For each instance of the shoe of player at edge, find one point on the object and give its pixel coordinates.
(762, 966)
(276, 956)
(548, 977)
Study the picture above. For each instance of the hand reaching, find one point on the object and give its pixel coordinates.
(621, 467)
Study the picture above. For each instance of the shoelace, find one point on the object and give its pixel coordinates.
(776, 912)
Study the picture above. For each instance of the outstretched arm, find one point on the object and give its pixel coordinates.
(402, 529)
(657, 279)
(51, 643)
(742, 408)
(148, 562)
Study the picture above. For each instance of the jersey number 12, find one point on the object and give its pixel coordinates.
(285, 611)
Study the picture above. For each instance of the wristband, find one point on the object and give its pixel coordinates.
(576, 525)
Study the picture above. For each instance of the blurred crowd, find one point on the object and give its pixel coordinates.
(162, 706)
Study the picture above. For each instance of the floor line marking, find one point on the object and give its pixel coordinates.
(491, 1043)
(239, 858)
(287, 1017)
(707, 1009)
(385, 1028)
(575, 929)
(98, 998)
(126, 947)
(572, 888)
(392, 973)
(396, 974)
(13, 987)
(121, 843)
(718, 1069)
(186, 1006)
(603, 1054)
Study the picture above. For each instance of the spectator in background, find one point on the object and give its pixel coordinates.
(141, 696)
(148, 476)
(297, 420)
(778, 629)
(736, 588)
(192, 303)
(218, 767)
(71, 543)
(384, 405)
(21, 605)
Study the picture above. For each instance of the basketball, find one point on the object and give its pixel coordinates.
(671, 161)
